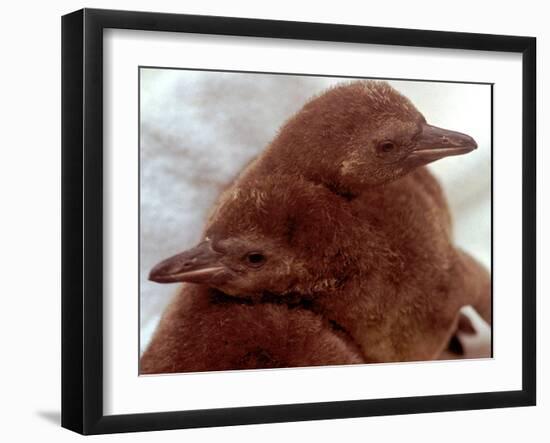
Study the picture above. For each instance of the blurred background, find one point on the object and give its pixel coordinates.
(198, 129)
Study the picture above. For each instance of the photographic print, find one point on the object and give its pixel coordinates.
(267, 223)
(297, 221)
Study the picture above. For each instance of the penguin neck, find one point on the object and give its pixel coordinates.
(309, 163)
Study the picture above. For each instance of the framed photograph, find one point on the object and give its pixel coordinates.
(269, 221)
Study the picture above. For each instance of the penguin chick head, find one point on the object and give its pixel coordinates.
(364, 134)
(278, 235)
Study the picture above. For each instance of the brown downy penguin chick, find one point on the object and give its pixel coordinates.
(332, 141)
(381, 270)
(356, 136)
(360, 135)
(205, 330)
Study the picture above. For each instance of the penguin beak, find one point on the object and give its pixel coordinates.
(200, 264)
(434, 143)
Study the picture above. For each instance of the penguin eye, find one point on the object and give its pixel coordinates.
(255, 259)
(386, 146)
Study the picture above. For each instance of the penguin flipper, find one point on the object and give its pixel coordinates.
(475, 280)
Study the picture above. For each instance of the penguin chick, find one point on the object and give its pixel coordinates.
(204, 330)
(339, 140)
(381, 268)
(359, 135)
(263, 238)
(355, 136)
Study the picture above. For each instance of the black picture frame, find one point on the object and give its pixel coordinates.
(82, 220)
